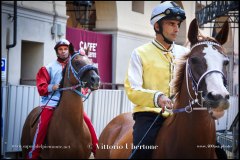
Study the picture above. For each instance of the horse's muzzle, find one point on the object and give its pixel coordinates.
(217, 101)
(216, 107)
(94, 82)
(216, 114)
(221, 104)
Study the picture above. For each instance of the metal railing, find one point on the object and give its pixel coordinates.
(18, 101)
(228, 144)
(101, 107)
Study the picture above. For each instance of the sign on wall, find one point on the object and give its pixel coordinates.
(3, 69)
(100, 49)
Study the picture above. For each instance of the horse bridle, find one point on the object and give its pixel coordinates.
(78, 75)
(195, 85)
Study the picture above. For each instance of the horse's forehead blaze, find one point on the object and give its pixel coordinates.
(213, 57)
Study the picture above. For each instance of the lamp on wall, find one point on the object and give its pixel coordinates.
(82, 10)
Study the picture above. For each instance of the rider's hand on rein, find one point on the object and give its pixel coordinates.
(55, 87)
(164, 101)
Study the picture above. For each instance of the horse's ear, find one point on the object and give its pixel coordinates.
(87, 51)
(214, 32)
(222, 36)
(193, 32)
(71, 48)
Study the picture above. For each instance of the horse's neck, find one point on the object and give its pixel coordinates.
(183, 98)
(196, 118)
(192, 124)
(71, 103)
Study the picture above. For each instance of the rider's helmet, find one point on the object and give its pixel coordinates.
(167, 10)
(62, 42)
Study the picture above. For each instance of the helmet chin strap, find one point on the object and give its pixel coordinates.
(161, 32)
(166, 40)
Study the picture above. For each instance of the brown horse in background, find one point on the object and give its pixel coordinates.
(190, 132)
(68, 135)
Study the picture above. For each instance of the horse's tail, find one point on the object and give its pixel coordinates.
(27, 131)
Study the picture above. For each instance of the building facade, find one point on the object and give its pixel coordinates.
(28, 42)
(41, 23)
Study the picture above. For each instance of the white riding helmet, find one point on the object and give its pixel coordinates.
(167, 10)
(62, 42)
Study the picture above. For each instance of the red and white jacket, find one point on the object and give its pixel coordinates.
(48, 76)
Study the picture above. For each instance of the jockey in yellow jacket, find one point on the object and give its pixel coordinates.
(149, 73)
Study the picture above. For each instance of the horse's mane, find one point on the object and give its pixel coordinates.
(62, 82)
(177, 81)
(179, 75)
(63, 75)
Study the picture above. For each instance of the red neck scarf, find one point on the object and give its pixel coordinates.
(63, 62)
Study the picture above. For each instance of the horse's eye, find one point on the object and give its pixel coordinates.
(77, 62)
(195, 60)
(226, 62)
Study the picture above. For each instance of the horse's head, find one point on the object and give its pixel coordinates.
(83, 70)
(206, 67)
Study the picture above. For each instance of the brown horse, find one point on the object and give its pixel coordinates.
(190, 131)
(68, 135)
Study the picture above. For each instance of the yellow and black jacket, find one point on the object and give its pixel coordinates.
(149, 74)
